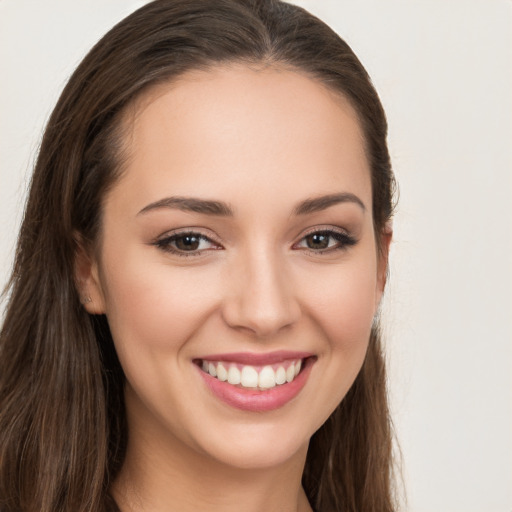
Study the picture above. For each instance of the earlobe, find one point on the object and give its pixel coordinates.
(87, 280)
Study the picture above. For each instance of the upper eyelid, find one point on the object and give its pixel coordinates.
(323, 229)
(349, 238)
(166, 240)
(212, 237)
(166, 243)
(188, 231)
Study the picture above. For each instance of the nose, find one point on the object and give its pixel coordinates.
(261, 298)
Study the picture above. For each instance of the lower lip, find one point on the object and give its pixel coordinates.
(258, 400)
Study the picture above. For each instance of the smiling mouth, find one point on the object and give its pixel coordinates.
(253, 377)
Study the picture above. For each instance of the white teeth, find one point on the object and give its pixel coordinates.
(212, 370)
(280, 376)
(249, 377)
(290, 373)
(234, 375)
(267, 378)
(222, 373)
(298, 365)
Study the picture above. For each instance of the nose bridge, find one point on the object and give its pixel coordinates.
(261, 297)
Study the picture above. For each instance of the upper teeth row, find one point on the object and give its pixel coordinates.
(250, 377)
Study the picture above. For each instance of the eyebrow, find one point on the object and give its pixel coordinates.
(191, 204)
(220, 208)
(317, 204)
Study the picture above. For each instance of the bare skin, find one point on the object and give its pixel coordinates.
(285, 261)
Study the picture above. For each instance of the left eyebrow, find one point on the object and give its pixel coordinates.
(317, 204)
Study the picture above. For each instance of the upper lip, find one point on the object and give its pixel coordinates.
(257, 359)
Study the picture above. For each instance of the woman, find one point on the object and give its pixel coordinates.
(193, 314)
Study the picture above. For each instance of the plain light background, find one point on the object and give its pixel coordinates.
(443, 69)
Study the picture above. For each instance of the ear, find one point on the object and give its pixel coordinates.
(383, 260)
(87, 279)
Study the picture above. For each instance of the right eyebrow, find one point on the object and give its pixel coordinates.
(191, 204)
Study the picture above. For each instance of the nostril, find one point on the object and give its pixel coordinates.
(261, 321)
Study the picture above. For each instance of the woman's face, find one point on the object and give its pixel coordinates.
(238, 242)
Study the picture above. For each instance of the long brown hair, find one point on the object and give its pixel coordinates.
(62, 420)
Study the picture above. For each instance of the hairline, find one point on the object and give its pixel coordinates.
(124, 121)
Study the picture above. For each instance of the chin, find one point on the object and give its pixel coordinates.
(260, 449)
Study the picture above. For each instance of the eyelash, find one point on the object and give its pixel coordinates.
(165, 244)
(342, 239)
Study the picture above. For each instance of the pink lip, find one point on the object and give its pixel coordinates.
(255, 400)
(255, 359)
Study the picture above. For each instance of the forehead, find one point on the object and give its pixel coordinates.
(232, 127)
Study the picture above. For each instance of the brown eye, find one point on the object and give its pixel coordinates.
(187, 242)
(318, 241)
(326, 241)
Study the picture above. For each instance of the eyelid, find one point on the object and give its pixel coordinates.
(165, 240)
(195, 230)
(323, 229)
(348, 239)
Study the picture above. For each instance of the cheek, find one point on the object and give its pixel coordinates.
(344, 306)
(155, 306)
(341, 307)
